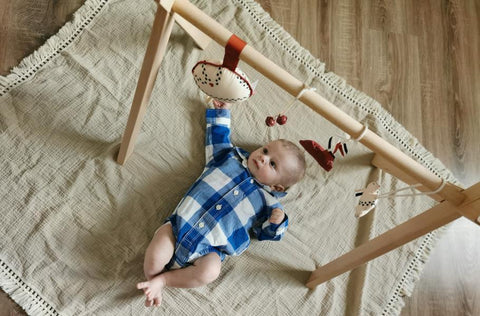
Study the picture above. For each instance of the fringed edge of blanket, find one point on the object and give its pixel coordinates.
(409, 144)
(23, 294)
(18, 290)
(53, 46)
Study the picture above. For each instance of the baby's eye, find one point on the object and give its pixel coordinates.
(265, 151)
(272, 163)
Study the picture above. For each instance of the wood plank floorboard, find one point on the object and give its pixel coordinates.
(419, 59)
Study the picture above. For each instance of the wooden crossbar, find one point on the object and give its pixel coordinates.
(200, 26)
(421, 224)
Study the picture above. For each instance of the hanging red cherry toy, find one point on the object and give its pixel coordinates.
(270, 121)
(281, 119)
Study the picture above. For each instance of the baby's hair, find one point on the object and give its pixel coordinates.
(299, 173)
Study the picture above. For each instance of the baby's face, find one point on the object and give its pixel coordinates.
(271, 165)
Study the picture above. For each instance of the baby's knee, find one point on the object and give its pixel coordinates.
(150, 271)
(152, 266)
(209, 267)
(210, 273)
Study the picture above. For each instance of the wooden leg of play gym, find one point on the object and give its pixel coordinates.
(201, 39)
(161, 30)
(429, 220)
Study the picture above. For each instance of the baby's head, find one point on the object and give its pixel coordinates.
(279, 164)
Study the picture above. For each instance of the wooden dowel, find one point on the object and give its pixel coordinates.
(157, 44)
(471, 207)
(427, 221)
(382, 163)
(317, 103)
(434, 218)
(198, 36)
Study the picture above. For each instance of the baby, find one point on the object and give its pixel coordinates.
(237, 192)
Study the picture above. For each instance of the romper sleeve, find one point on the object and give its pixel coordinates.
(217, 135)
(263, 229)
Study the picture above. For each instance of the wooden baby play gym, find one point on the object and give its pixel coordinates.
(454, 201)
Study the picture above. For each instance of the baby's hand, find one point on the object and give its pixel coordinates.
(277, 216)
(221, 105)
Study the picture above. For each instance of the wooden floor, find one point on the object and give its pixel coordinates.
(420, 59)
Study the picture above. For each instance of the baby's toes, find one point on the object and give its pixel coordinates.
(150, 296)
(157, 301)
(143, 285)
(148, 303)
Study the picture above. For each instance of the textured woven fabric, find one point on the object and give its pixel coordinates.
(75, 224)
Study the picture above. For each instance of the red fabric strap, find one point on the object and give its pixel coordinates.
(232, 52)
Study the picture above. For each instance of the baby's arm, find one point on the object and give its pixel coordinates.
(217, 135)
(274, 227)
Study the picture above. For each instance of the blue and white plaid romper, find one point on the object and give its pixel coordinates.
(224, 203)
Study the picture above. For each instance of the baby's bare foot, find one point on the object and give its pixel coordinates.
(153, 290)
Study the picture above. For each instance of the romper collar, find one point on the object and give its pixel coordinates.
(243, 156)
(276, 194)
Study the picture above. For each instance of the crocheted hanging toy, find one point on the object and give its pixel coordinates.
(324, 157)
(223, 81)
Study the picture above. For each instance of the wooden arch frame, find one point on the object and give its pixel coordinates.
(454, 201)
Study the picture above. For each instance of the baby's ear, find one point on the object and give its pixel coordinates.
(277, 187)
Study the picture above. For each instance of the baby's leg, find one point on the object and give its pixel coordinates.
(159, 251)
(158, 254)
(203, 271)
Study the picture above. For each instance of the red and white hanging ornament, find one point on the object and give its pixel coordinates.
(325, 157)
(223, 81)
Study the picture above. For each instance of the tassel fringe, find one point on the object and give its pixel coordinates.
(53, 46)
(23, 294)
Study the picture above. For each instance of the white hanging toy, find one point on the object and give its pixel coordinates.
(370, 195)
(223, 81)
(368, 199)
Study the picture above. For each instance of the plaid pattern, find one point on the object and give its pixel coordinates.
(224, 203)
